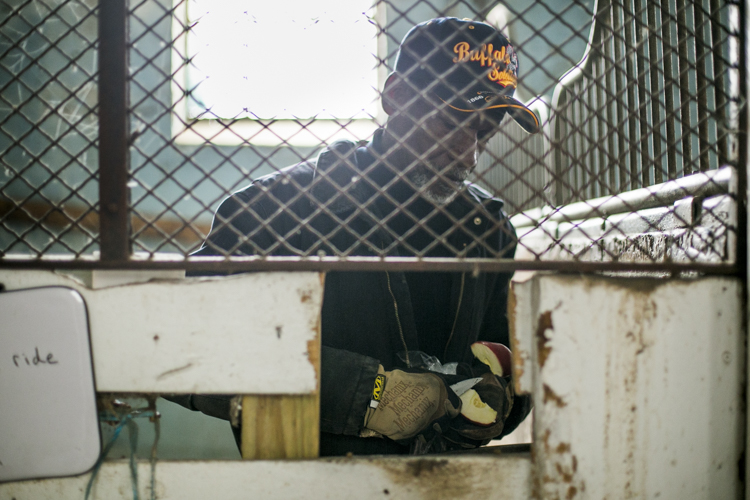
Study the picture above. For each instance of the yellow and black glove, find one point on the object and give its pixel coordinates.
(406, 404)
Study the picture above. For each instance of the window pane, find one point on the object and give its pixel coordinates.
(290, 59)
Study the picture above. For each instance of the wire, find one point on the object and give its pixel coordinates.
(127, 421)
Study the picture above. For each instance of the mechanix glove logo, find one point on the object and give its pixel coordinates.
(410, 404)
(377, 390)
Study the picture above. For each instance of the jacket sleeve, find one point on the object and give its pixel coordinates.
(241, 226)
(214, 405)
(347, 381)
(346, 385)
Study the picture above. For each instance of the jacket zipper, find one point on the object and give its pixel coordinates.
(398, 319)
(455, 320)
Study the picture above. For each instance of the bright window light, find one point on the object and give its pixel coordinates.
(282, 60)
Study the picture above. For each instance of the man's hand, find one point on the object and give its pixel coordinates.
(405, 404)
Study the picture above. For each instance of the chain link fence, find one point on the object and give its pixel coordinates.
(124, 126)
(48, 128)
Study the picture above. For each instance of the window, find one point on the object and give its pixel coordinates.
(269, 73)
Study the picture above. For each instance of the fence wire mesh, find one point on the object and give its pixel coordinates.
(48, 128)
(636, 159)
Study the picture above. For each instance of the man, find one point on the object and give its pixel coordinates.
(403, 194)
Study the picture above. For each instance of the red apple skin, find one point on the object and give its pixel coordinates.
(502, 355)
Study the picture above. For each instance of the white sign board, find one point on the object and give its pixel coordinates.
(48, 419)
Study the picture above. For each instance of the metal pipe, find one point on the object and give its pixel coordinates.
(620, 75)
(656, 86)
(702, 184)
(631, 55)
(643, 68)
(685, 68)
(702, 55)
(668, 45)
(114, 227)
(720, 87)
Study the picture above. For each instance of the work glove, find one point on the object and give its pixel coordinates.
(405, 404)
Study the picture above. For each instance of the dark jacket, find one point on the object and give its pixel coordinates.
(334, 205)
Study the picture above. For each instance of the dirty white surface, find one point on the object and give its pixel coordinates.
(665, 234)
(480, 477)
(638, 385)
(209, 335)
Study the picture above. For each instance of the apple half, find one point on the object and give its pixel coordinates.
(496, 356)
(475, 410)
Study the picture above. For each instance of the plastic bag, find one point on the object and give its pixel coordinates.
(419, 359)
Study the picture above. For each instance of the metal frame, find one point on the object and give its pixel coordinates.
(114, 133)
(219, 265)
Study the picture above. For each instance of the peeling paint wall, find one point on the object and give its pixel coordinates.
(638, 386)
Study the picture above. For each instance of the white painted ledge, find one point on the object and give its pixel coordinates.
(244, 334)
(459, 477)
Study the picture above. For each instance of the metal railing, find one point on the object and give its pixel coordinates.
(655, 97)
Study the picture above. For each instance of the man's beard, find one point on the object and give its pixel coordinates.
(439, 189)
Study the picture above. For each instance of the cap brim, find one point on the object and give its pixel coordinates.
(501, 104)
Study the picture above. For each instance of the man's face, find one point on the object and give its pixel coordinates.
(439, 150)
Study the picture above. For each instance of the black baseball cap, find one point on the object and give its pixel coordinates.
(468, 66)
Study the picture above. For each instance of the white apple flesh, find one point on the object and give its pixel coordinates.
(475, 410)
(496, 356)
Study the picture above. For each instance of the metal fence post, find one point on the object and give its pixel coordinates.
(113, 131)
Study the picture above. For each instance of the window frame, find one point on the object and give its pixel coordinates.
(302, 132)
